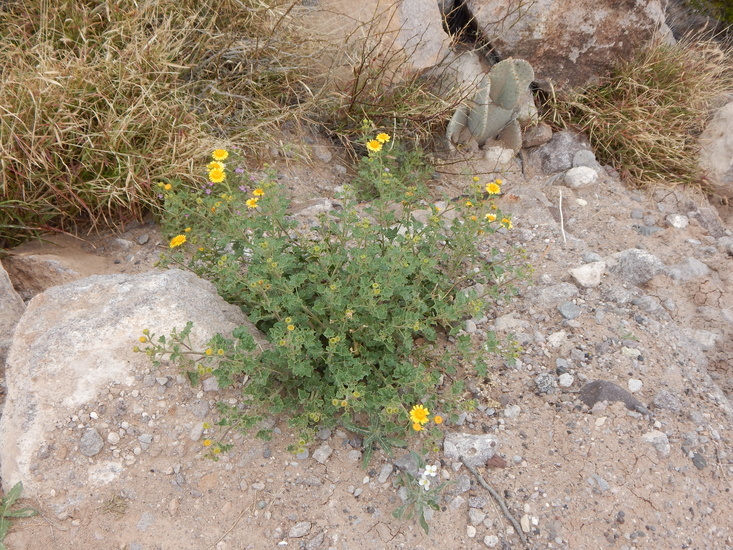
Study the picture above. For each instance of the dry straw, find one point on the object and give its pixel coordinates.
(646, 118)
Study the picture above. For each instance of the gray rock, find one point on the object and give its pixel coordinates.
(210, 384)
(666, 400)
(659, 441)
(569, 310)
(555, 294)
(634, 266)
(603, 390)
(146, 520)
(53, 370)
(476, 516)
(512, 411)
(11, 309)
(316, 542)
(678, 221)
(196, 431)
(143, 239)
(580, 176)
(565, 380)
(704, 338)
(687, 270)
(385, 472)
(491, 541)
(322, 453)
(617, 294)
(300, 529)
(199, 408)
(557, 154)
(510, 322)
(477, 502)
(91, 442)
(699, 461)
(545, 382)
(460, 484)
(536, 135)
(476, 450)
(589, 275)
(602, 483)
(408, 463)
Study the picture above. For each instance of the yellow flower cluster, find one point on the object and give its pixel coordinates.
(217, 173)
(494, 187)
(375, 145)
(420, 415)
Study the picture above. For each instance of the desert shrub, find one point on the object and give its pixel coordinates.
(354, 308)
(645, 119)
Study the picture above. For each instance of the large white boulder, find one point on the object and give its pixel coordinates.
(73, 342)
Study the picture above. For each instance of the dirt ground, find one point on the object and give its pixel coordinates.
(573, 477)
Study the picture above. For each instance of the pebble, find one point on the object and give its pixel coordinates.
(91, 442)
(322, 453)
(589, 275)
(491, 540)
(512, 411)
(300, 529)
(210, 384)
(258, 486)
(476, 516)
(113, 438)
(196, 431)
(580, 176)
(470, 531)
(659, 441)
(678, 221)
(544, 382)
(569, 310)
(385, 472)
(143, 239)
(565, 380)
(635, 385)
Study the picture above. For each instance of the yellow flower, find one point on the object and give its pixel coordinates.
(507, 223)
(201, 249)
(469, 203)
(383, 138)
(356, 394)
(251, 203)
(291, 327)
(491, 217)
(220, 352)
(419, 414)
(177, 241)
(344, 403)
(167, 187)
(258, 192)
(209, 351)
(438, 419)
(417, 427)
(288, 320)
(334, 402)
(374, 146)
(207, 442)
(476, 178)
(216, 451)
(217, 176)
(216, 165)
(493, 188)
(498, 182)
(187, 230)
(220, 154)
(143, 339)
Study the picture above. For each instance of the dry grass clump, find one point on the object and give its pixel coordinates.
(103, 100)
(646, 118)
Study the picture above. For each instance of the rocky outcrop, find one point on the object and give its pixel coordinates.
(716, 152)
(73, 342)
(11, 308)
(569, 42)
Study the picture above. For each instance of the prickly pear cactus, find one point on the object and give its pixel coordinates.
(493, 112)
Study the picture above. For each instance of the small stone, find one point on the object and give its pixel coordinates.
(491, 540)
(525, 523)
(457, 503)
(315, 542)
(512, 411)
(659, 441)
(635, 385)
(699, 461)
(143, 239)
(476, 516)
(565, 380)
(477, 502)
(91, 442)
(665, 400)
(470, 531)
(602, 390)
(385, 472)
(634, 266)
(323, 434)
(545, 382)
(602, 483)
(300, 529)
(569, 310)
(146, 520)
(580, 176)
(302, 455)
(476, 450)
(210, 384)
(408, 463)
(322, 453)
(678, 221)
(113, 438)
(196, 431)
(589, 275)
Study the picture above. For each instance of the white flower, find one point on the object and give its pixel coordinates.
(425, 483)
(431, 470)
